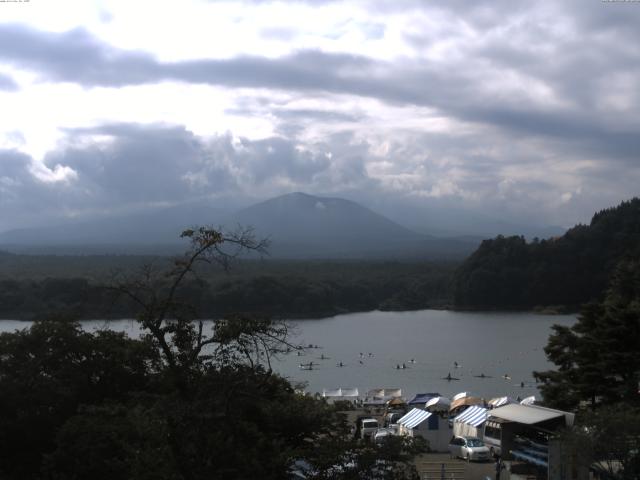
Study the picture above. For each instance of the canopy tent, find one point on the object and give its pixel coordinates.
(460, 395)
(500, 401)
(438, 404)
(422, 398)
(531, 414)
(528, 400)
(420, 423)
(347, 393)
(395, 402)
(414, 418)
(469, 423)
(379, 396)
(464, 402)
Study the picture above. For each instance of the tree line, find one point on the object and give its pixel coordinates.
(511, 273)
(287, 291)
(179, 403)
(597, 375)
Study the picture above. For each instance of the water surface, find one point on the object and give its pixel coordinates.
(489, 343)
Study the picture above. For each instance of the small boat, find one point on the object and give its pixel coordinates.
(482, 375)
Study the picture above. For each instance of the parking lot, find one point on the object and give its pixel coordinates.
(430, 467)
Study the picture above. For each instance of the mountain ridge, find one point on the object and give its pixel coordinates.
(298, 224)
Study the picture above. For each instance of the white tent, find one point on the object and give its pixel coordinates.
(414, 418)
(379, 396)
(469, 423)
(428, 426)
(347, 393)
(457, 396)
(438, 404)
(350, 392)
(500, 401)
(529, 400)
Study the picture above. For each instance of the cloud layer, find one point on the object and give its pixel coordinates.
(518, 110)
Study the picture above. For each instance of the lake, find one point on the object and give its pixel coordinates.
(489, 343)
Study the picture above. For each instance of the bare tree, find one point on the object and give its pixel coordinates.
(174, 325)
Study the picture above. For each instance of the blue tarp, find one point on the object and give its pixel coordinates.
(422, 398)
(520, 455)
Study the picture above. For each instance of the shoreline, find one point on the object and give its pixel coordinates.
(543, 310)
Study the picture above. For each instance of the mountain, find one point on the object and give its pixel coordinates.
(302, 225)
(154, 231)
(509, 272)
(298, 226)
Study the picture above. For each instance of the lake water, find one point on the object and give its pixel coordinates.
(493, 344)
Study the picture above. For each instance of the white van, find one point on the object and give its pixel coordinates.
(493, 437)
(368, 427)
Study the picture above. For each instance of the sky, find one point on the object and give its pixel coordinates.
(528, 111)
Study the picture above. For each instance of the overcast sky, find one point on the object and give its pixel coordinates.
(529, 111)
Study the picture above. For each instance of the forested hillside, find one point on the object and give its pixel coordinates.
(32, 286)
(509, 272)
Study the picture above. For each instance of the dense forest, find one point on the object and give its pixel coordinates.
(511, 273)
(32, 286)
(182, 402)
(596, 375)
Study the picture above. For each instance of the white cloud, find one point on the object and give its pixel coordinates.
(526, 104)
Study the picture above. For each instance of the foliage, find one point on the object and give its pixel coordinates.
(608, 440)
(181, 403)
(48, 371)
(509, 272)
(289, 289)
(597, 358)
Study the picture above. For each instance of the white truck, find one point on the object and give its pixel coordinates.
(368, 428)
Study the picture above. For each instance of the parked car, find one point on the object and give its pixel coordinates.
(469, 448)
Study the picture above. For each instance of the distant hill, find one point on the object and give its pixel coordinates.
(155, 231)
(298, 225)
(306, 226)
(509, 272)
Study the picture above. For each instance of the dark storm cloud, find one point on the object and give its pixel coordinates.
(13, 165)
(138, 165)
(79, 57)
(148, 165)
(22, 196)
(453, 87)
